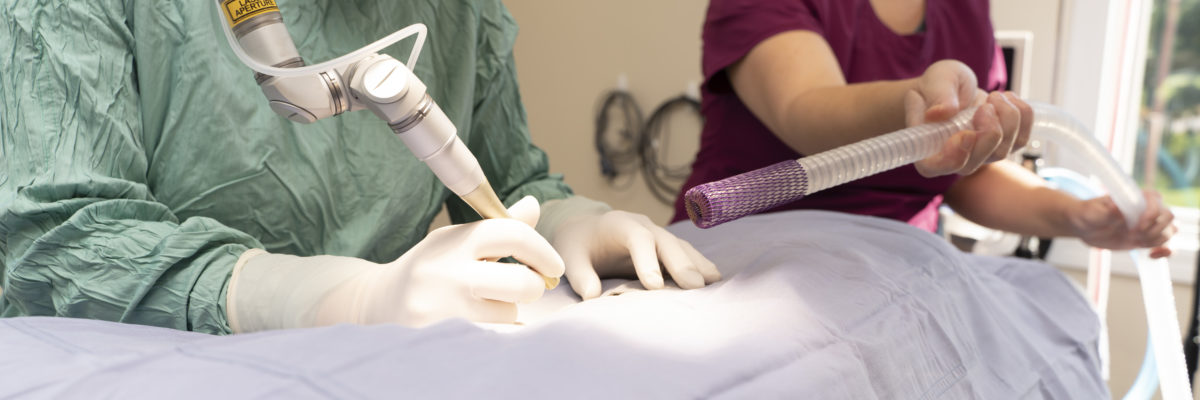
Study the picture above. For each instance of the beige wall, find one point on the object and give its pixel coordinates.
(570, 52)
(1041, 18)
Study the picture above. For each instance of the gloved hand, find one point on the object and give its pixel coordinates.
(448, 274)
(598, 243)
(1002, 122)
(1098, 222)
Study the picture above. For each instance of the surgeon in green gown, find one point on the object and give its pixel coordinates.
(144, 179)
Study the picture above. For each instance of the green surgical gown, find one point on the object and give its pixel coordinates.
(138, 158)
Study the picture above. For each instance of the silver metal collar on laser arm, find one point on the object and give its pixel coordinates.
(361, 80)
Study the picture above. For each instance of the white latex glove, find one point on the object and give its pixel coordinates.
(597, 242)
(448, 274)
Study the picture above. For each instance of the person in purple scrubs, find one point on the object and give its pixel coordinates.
(786, 78)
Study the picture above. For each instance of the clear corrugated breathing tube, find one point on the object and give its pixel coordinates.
(718, 202)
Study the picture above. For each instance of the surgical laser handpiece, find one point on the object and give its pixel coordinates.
(370, 81)
(362, 79)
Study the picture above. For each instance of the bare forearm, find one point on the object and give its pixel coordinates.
(806, 101)
(824, 118)
(1004, 196)
(793, 84)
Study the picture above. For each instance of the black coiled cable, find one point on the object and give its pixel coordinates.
(662, 179)
(636, 142)
(617, 152)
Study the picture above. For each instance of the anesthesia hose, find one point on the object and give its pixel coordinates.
(722, 201)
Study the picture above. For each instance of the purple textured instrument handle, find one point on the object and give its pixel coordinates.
(715, 203)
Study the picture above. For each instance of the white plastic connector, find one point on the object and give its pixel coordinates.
(457, 168)
(431, 135)
(385, 81)
(381, 84)
(693, 90)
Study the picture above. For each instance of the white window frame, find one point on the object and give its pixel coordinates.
(1106, 97)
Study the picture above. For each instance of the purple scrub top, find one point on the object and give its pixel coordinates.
(735, 141)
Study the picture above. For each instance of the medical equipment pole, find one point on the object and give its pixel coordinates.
(714, 203)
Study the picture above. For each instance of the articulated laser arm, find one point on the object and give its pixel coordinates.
(361, 80)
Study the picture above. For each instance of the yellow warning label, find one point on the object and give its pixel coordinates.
(238, 11)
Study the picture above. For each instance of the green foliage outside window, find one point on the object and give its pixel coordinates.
(1170, 109)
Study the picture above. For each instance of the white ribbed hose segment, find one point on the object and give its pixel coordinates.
(714, 203)
(881, 153)
(1056, 126)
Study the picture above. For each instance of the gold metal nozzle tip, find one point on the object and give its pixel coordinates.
(485, 202)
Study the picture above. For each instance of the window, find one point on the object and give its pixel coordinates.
(1106, 75)
(1168, 138)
